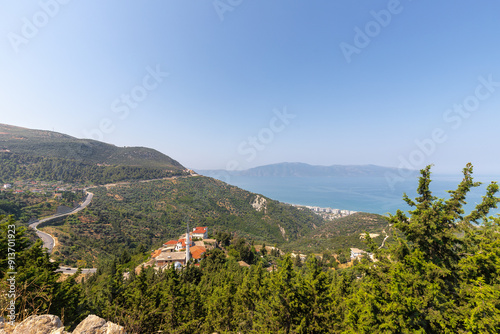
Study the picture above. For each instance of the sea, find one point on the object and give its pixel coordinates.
(365, 194)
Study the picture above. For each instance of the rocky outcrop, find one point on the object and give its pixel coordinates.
(51, 324)
(259, 204)
(41, 324)
(95, 325)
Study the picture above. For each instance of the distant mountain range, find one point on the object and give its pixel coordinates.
(297, 169)
(48, 144)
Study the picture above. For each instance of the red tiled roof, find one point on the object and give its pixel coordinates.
(171, 242)
(156, 253)
(183, 242)
(200, 230)
(197, 252)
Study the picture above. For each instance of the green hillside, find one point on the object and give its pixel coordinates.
(344, 232)
(144, 215)
(150, 213)
(48, 144)
(46, 155)
(25, 167)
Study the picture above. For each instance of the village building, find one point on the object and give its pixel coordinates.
(155, 254)
(200, 232)
(197, 252)
(170, 243)
(167, 258)
(357, 253)
(181, 244)
(168, 249)
(179, 252)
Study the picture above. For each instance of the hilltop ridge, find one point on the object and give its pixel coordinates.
(49, 144)
(48, 156)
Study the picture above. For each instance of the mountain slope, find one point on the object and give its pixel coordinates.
(297, 169)
(27, 154)
(48, 144)
(151, 213)
(344, 232)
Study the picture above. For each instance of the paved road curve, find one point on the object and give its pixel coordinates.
(48, 240)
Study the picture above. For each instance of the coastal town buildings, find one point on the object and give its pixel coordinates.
(326, 213)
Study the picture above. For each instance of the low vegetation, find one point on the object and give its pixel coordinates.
(27, 205)
(344, 233)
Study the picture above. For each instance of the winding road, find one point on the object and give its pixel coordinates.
(49, 241)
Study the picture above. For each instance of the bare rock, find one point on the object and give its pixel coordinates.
(39, 324)
(95, 325)
(259, 204)
(59, 331)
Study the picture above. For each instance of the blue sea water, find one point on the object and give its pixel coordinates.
(366, 194)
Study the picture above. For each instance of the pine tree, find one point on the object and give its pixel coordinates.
(38, 287)
(315, 299)
(418, 285)
(285, 303)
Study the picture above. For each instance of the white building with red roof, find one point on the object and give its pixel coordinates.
(200, 232)
(170, 243)
(181, 244)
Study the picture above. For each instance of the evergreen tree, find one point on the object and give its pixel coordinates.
(286, 303)
(38, 287)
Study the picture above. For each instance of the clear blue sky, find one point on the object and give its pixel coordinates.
(364, 80)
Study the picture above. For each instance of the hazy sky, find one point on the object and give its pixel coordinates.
(240, 83)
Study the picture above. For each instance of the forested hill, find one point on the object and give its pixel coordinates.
(46, 155)
(48, 144)
(344, 233)
(151, 213)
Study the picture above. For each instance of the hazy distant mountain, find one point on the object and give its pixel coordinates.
(48, 144)
(297, 169)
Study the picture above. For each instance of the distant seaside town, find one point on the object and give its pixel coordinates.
(326, 213)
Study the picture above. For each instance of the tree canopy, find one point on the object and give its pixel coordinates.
(442, 275)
